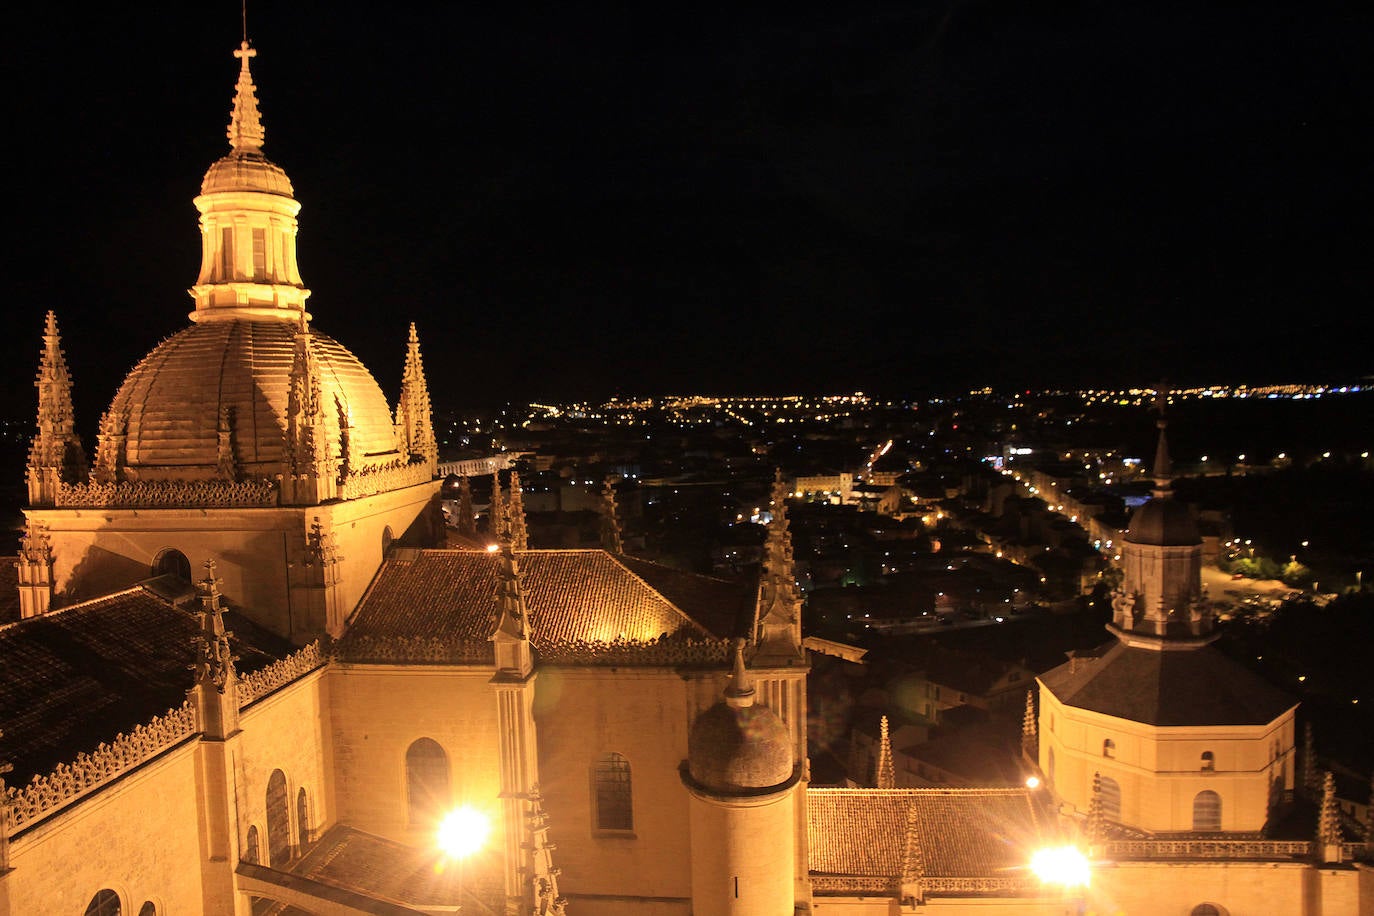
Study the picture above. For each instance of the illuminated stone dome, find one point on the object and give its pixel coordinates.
(231, 380)
(215, 401)
(247, 172)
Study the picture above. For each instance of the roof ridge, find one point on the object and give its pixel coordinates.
(80, 605)
(666, 600)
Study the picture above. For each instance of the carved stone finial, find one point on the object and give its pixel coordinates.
(740, 691)
(414, 421)
(515, 514)
(511, 635)
(885, 774)
(1030, 728)
(611, 540)
(1097, 822)
(245, 131)
(777, 617)
(1329, 820)
(55, 456)
(467, 521)
(545, 899)
(214, 663)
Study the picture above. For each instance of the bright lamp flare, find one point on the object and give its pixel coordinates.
(1065, 866)
(462, 832)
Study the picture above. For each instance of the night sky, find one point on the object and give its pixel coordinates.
(894, 197)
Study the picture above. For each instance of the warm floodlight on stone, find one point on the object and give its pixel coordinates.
(462, 832)
(1062, 866)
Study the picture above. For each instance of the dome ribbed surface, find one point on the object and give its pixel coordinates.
(246, 172)
(174, 397)
(739, 750)
(1163, 523)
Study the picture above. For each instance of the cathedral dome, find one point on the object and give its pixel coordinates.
(234, 377)
(246, 172)
(739, 749)
(1163, 523)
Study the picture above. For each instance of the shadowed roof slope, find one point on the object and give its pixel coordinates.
(893, 835)
(574, 596)
(1169, 687)
(76, 677)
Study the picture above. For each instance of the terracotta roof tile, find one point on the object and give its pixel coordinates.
(386, 870)
(574, 596)
(897, 834)
(76, 677)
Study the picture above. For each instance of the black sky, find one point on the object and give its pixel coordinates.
(896, 197)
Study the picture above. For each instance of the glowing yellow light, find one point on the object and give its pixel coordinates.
(462, 832)
(1032, 782)
(492, 548)
(1065, 866)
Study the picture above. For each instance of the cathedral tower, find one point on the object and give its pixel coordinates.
(742, 777)
(1157, 731)
(248, 436)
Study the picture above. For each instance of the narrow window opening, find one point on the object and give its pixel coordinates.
(736, 887)
(259, 254)
(226, 254)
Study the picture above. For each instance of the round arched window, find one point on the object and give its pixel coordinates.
(104, 903)
(172, 563)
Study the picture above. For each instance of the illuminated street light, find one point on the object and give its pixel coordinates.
(1062, 866)
(462, 832)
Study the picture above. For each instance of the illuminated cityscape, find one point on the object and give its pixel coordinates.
(369, 596)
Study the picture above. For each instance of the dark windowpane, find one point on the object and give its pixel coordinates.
(278, 821)
(614, 802)
(427, 793)
(104, 903)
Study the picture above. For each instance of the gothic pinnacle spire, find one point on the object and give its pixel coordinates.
(1163, 469)
(55, 455)
(245, 132)
(885, 776)
(414, 425)
(515, 514)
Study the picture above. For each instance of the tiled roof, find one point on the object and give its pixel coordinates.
(76, 677)
(384, 869)
(725, 608)
(1168, 687)
(893, 835)
(574, 597)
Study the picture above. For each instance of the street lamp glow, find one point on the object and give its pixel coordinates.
(462, 832)
(1065, 866)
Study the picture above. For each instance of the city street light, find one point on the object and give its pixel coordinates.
(1062, 866)
(1065, 867)
(462, 832)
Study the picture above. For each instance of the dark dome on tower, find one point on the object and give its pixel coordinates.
(1162, 522)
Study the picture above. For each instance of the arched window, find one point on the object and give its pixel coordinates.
(104, 903)
(148, 909)
(1108, 747)
(612, 792)
(1206, 909)
(427, 788)
(172, 563)
(302, 819)
(278, 821)
(1209, 762)
(250, 847)
(388, 538)
(1050, 771)
(1207, 810)
(1111, 798)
